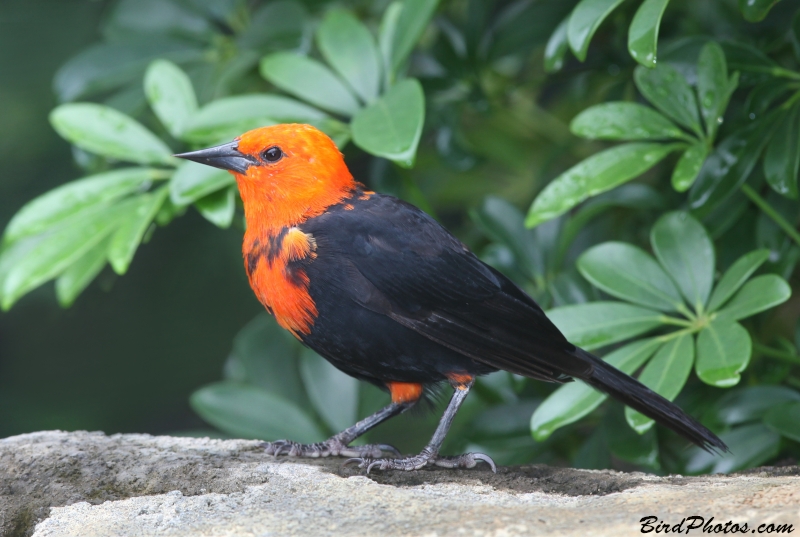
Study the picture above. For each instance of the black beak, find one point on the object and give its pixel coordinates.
(225, 157)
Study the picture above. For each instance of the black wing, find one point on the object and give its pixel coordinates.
(401, 263)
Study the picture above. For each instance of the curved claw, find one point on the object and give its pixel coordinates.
(380, 463)
(487, 459)
(390, 448)
(354, 460)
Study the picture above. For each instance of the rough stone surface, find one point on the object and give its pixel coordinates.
(144, 485)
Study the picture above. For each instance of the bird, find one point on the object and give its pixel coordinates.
(387, 295)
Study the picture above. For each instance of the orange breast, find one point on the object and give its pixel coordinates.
(280, 284)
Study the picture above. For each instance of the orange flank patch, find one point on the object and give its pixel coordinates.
(460, 380)
(348, 207)
(283, 289)
(405, 392)
(366, 195)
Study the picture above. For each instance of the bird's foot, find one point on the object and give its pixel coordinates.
(467, 460)
(332, 447)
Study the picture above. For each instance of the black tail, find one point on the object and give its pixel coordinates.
(636, 395)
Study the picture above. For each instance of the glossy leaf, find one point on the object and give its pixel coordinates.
(782, 157)
(106, 132)
(713, 86)
(391, 126)
(333, 393)
(783, 420)
(504, 223)
(685, 250)
(386, 33)
(135, 220)
(627, 272)
(56, 251)
(66, 201)
(556, 48)
(643, 32)
(574, 400)
(267, 355)
(411, 22)
(756, 10)
(730, 163)
(350, 49)
(624, 442)
(597, 324)
(80, 274)
(667, 90)
(598, 173)
(723, 351)
(247, 411)
(275, 25)
(750, 446)
(225, 119)
(689, 166)
(171, 95)
(193, 181)
(759, 294)
(624, 121)
(309, 80)
(218, 207)
(584, 22)
(743, 405)
(735, 277)
(665, 374)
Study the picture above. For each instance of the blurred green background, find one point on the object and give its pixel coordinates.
(128, 354)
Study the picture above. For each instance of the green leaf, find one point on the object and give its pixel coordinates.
(598, 324)
(60, 204)
(80, 274)
(391, 126)
(713, 86)
(783, 420)
(574, 400)
(685, 250)
(56, 251)
(625, 443)
(730, 163)
(723, 351)
(193, 181)
(756, 10)
(247, 411)
(667, 90)
(386, 33)
(350, 49)
(225, 119)
(598, 173)
(169, 92)
(218, 207)
(267, 354)
(106, 132)
(333, 393)
(743, 405)
(624, 121)
(750, 446)
(735, 276)
(759, 294)
(133, 225)
(411, 22)
(643, 32)
(504, 223)
(556, 48)
(584, 22)
(665, 374)
(688, 167)
(309, 80)
(782, 157)
(629, 273)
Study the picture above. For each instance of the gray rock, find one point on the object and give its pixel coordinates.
(144, 485)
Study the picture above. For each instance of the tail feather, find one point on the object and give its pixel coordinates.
(636, 395)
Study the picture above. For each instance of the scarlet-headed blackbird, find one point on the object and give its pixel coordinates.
(389, 296)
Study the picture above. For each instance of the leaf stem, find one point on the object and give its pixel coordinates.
(772, 213)
(785, 356)
(677, 333)
(666, 319)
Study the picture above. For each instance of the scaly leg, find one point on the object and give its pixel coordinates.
(430, 455)
(338, 445)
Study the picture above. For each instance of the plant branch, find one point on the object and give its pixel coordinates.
(772, 213)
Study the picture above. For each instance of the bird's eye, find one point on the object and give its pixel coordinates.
(273, 154)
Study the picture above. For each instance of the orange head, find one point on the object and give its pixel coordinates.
(286, 173)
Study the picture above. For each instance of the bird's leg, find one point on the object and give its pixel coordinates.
(339, 444)
(430, 454)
